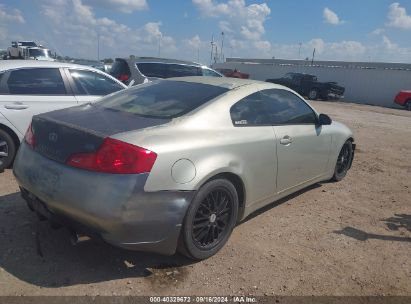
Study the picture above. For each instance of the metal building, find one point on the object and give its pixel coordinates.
(373, 83)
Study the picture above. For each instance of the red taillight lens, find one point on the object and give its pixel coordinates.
(123, 77)
(115, 156)
(29, 137)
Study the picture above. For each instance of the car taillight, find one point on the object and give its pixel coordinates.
(115, 156)
(29, 137)
(123, 77)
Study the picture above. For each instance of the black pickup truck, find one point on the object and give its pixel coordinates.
(308, 85)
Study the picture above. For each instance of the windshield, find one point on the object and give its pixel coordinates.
(28, 43)
(162, 99)
(39, 53)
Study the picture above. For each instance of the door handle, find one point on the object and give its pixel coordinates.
(16, 106)
(286, 140)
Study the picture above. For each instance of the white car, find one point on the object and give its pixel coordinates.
(30, 87)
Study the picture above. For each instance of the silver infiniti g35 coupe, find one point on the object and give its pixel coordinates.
(175, 164)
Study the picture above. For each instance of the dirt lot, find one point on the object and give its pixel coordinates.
(347, 238)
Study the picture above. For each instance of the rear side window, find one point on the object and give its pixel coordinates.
(92, 83)
(284, 107)
(249, 111)
(181, 70)
(155, 70)
(40, 81)
(167, 70)
(162, 98)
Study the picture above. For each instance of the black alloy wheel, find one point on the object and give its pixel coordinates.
(343, 161)
(210, 219)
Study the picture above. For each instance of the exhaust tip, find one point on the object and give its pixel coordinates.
(76, 238)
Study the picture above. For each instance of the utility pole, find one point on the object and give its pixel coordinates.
(312, 60)
(212, 49)
(98, 46)
(222, 47)
(299, 51)
(159, 44)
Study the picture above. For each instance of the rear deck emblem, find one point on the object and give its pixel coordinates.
(53, 137)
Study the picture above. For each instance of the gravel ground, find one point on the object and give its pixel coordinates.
(347, 238)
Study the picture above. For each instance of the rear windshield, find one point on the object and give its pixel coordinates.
(162, 98)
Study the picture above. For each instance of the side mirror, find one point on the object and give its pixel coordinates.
(324, 119)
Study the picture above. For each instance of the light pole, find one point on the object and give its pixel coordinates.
(160, 36)
(222, 47)
(312, 60)
(212, 49)
(98, 46)
(299, 50)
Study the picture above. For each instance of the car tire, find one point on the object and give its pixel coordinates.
(408, 105)
(313, 94)
(7, 150)
(210, 219)
(343, 161)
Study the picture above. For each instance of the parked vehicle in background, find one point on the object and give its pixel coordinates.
(176, 164)
(18, 48)
(143, 69)
(3, 54)
(403, 98)
(38, 53)
(308, 85)
(30, 87)
(233, 73)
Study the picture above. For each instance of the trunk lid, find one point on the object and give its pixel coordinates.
(82, 129)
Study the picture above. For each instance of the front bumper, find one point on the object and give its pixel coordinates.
(113, 206)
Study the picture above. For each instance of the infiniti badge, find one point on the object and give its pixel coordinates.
(53, 137)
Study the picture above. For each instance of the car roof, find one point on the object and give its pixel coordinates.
(16, 64)
(224, 82)
(159, 60)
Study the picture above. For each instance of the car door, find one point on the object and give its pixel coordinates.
(90, 85)
(29, 91)
(258, 150)
(302, 145)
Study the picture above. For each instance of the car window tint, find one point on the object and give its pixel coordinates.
(155, 70)
(284, 107)
(93, 83)
(39, 81)
(249, 111)
(208, 72)
(162, 98)
(181, 70)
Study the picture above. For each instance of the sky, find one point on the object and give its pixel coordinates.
(351, 30)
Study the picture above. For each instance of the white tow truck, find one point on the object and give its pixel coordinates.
(18, 49)
(29, 50)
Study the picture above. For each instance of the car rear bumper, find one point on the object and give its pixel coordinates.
(112, 206)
